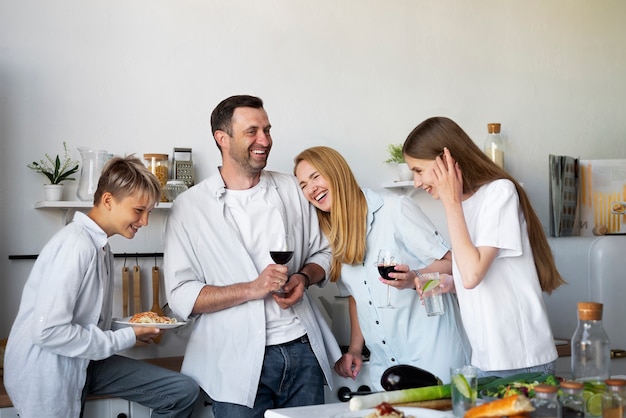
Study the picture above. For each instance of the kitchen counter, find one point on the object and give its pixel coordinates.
(171, 363)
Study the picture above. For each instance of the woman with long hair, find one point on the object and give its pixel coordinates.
(501, 258)
(358, 222)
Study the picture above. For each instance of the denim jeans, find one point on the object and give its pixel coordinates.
(167, 393)
(291, 376)
(548, 368)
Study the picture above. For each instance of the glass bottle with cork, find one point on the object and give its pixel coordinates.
(614, 399)
(571, 399)
(546, 402)
(591, 350)
(494, 145)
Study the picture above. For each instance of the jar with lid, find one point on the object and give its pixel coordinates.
(546, 402)
(494, 145)
(591, 350)
(572, 400)
(158, 164)
(614, 399)
(173, 188)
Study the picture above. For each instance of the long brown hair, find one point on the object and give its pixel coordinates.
(345, 224)
(428, 140)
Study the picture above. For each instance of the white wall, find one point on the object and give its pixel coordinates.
(138, 76)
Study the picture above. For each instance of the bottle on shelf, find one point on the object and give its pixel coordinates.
(571, 399)
(494, 145)
(591, 350)
(614, 399)
(546, 402)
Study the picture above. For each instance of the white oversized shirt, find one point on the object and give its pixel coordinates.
(202, 246)
(405, 335)
(63, 322)
(504, 316)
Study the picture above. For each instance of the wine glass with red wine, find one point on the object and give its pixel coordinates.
(386, 263)
(281, 250)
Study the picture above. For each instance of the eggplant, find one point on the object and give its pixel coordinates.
(405, 376)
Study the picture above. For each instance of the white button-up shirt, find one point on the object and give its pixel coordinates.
(202, 246)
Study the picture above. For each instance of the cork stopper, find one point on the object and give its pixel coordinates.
(546, 388)
(589, 311)
(493, 128)
(570, 384)
(615, 382)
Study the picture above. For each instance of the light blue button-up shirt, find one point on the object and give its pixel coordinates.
(63, 322)
(404, 335)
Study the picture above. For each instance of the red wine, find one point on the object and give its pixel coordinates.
(281, 257)
(385, 270)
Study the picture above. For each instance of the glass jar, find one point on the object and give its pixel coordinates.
(494, 145)
(546, 402)
(591, 350)
(173, 188)
(614, 399)
(159, 165)
(571, 399)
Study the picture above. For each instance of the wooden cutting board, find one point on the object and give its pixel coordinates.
(438, 404)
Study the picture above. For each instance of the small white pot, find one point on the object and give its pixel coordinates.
(53, 192)
(404, 172)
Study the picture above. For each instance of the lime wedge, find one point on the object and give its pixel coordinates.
(460, 382)
(430, 285)
(587, 394)
(594, 405)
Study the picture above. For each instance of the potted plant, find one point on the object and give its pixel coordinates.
(56, 171)
(396, 157)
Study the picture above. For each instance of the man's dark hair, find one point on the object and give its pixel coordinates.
(222, 115)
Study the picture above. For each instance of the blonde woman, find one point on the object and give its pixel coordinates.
(358, 222)
(501, 258)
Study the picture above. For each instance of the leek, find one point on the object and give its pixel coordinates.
(426, 393)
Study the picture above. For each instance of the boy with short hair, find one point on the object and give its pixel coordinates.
(61, 347)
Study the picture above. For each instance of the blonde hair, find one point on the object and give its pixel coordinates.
(428, 140)
(127, 176)
(345, 225)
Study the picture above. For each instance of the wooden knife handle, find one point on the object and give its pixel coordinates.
(155, 285)
(125, 278)
(137, 288)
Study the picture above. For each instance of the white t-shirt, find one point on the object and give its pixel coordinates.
(504, 316)
(256, 218)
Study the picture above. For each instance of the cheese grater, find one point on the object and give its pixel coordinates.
(183, 166)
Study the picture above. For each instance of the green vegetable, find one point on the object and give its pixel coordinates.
(427, 393)
(522, 383)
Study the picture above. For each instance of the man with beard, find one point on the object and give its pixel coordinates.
(256, 343)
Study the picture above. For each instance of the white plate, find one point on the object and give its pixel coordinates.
(408, 410)
(124, 322)
(620, 206)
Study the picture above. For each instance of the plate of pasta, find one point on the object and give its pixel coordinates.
(148, 319)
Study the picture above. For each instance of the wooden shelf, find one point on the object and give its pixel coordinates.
(77, 204)
(398, 184)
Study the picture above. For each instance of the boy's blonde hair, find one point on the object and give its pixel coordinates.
(127, 176)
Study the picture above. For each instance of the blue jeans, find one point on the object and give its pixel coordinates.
(548, 368)
(291, 376)
(167, 393)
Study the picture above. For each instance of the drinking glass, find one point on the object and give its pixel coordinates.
(464, 386)
(281, 250)
(386, 263)
(431, 293)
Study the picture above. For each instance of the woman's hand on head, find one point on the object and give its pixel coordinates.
(448, 178)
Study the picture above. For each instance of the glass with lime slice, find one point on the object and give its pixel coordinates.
(464, 388)
(431, 293)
